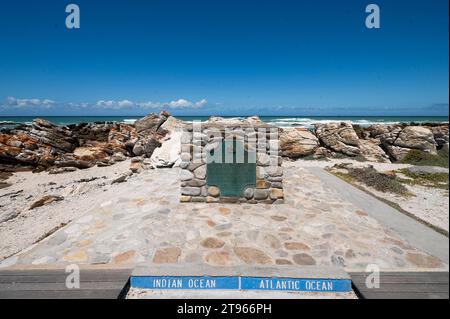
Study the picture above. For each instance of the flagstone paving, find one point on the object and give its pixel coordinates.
(147, 224)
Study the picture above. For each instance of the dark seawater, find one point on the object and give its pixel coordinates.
(282, 121)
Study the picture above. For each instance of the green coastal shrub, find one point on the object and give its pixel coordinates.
(416, 157)
(436, 180)
(379, 181)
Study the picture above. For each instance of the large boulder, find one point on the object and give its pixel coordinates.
(151, 130)
(417, 137)
(168, 154)
(370, 149)
(339, 137)
(151, 123)
(297, 142)
(400, 141)
(59, 137)
(145, 146)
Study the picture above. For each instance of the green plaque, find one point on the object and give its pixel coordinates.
(233, 171)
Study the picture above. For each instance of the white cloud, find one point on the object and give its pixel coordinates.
(181, 103)
(12, 102)
(106, 104)
(201, 103)
(20, 103)
(125, 103)
(176, 104)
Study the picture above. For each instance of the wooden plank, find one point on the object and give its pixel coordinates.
(62, 286)
(60, 294)
(404, 285)
(84, 277)
(406, 277)
(50, 283)
(43, 272)
(402, 295)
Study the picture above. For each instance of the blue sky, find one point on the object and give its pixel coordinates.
(224, 57)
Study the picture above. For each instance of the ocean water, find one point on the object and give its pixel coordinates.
(281, 121)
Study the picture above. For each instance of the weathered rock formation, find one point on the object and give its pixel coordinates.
(45, 145)
(398, 140)
(339, 137)
(150, 132)
(297, 142)
(155, 141)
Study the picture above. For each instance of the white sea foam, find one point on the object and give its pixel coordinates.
(309, 123)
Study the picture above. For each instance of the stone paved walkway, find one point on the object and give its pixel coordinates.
(147, 224)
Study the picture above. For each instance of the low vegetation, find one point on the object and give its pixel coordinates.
(371, 177)
(436, 180)
(416, 157)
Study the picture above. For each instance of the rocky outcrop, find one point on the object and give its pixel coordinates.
(342, 138)
(371, 151)
(45, 145)
(150, 131)
(168, 155)
(58, 137)
(156, 138)
(339, 137)
(296, 143)
(417, 137)
(398, 141)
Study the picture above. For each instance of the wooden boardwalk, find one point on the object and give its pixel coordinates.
(51, 284)
(404, 285)
(113, 283)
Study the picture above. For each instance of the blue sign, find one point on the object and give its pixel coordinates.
(295, 284)
(240, 283)
(183, 283)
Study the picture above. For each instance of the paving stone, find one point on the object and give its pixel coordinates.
(212, 242)
(164, 211)
(218, 258)
(283, 262)
(79, 256)
(57, 239)
(271, 241)
(423, 261)
(124, 257)
(224, 226)
(160, 229)
(304, 259)
(167, 255)
(252, 255)
(296, 246)
(100, 258)
(278, 218)
(44, 260)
